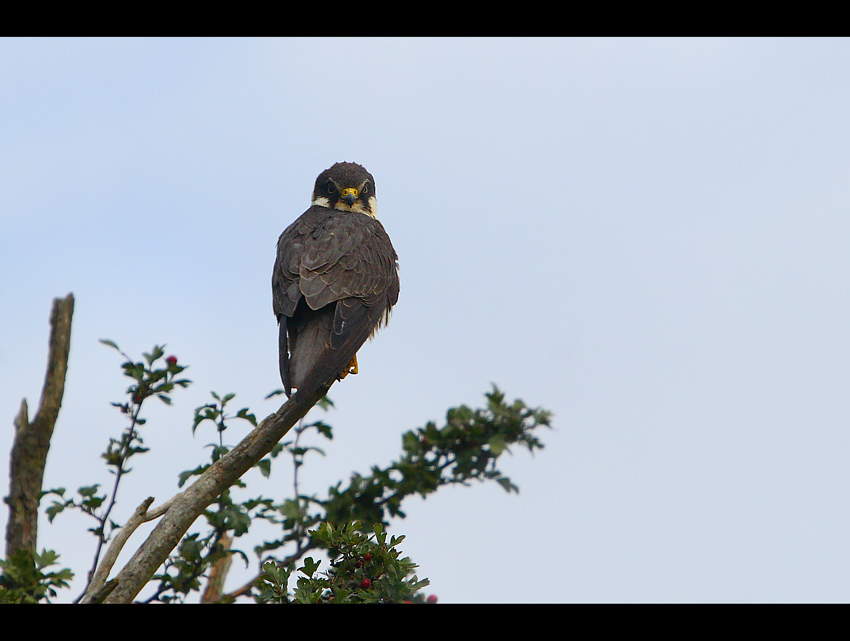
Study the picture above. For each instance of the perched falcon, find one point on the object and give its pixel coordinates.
(335, 280)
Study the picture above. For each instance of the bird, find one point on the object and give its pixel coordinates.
(335, 280)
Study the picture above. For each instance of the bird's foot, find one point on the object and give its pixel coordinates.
(351, 368)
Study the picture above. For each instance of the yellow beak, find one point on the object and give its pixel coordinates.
(349, 195)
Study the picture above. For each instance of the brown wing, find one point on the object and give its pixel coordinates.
(334, 282)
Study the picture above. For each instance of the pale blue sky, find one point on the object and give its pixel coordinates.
(649, 237)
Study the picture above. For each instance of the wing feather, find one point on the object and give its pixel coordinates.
(330, 258)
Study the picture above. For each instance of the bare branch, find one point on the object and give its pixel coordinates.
(95, 590)
(104, 592)
(158, 511)
(32, 439)
(141, 515)
(190, 504)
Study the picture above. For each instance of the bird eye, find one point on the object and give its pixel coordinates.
(331, 188)
(365, 189)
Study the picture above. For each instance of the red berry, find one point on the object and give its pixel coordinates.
(171, 360)
(432, 598)
(365, 584)
(368, 556)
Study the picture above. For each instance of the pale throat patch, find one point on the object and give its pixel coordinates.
(357, 207)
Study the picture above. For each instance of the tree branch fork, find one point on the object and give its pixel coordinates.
(29, 454)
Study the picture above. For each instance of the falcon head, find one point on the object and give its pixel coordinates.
(346, 186)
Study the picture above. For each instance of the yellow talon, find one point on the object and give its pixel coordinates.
(351, 368)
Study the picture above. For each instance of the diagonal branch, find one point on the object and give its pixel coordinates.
(190, 504)
(140, 516)
(32, 439)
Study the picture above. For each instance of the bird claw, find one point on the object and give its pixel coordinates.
(351, 368)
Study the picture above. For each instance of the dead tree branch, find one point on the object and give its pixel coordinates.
(140, 516)
(32, 439)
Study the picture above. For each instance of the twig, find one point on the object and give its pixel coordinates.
(104, 518)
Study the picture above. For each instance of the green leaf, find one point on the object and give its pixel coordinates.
(310, 566)
(55, 509)
(157, 353)
(410, 442)
(244, 413)
(497, 444)
(265, 467)
(89, 490)
(325, 403)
